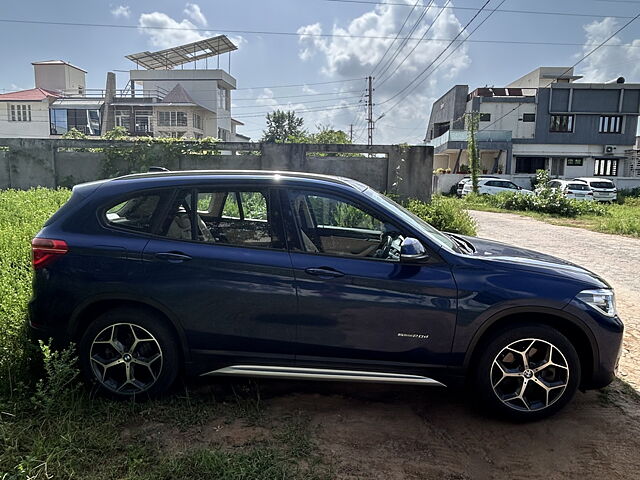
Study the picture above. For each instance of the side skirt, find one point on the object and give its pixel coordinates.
(323, 374)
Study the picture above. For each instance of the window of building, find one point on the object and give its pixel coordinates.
(172, 119)
(610, 124)
(19, 113)
(561, 123)
(143, 119)
(574, 162)
(485, 117)
(530, 164)
(197, 121)
(606, 167)
(528, 117)
(123, 118)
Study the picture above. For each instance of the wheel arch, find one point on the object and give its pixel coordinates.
(571, 327)
(81, 317)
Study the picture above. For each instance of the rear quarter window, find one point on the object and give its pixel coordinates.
(135, 213)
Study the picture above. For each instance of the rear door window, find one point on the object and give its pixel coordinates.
(244, 218)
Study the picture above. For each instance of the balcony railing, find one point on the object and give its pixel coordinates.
(463, 136)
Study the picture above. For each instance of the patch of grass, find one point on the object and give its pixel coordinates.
(616, 219)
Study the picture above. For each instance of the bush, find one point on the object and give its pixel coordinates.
(446, 214)
(546, 200)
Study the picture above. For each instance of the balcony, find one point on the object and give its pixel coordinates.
(463, 135)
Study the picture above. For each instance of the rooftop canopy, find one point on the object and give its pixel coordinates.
(191, 52)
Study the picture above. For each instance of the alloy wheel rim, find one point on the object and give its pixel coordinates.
(529, 374)
(126, 358)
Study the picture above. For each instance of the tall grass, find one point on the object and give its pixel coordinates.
(22, 214)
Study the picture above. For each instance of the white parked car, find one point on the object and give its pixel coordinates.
(466, 180)
(573, 189)
(493, 186)
(603, 190)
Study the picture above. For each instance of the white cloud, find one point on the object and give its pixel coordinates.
(123, 11)
(165, 32)
(192, 10)
(608, 63)
(353, 57)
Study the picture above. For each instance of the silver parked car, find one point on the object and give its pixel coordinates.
(573, 189)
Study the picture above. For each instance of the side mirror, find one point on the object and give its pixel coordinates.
(412, 250)
(519, 188)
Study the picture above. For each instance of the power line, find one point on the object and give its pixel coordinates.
(296, 96)
(568, 69)
(394, 40)
(384, 80)
(296, 34)
(306, 101)
(435, 59)
(405, 41)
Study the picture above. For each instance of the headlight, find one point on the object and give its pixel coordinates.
(602, 300)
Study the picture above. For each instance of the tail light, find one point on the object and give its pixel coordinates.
(44, 251)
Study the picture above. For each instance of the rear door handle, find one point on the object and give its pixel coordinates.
(172, 257)
(324, 272)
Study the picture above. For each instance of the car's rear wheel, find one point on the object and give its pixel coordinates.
(128, 352)
(527, 372)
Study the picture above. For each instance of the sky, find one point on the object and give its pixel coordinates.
(337, 41)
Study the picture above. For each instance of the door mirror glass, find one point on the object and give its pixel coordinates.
(411, 250)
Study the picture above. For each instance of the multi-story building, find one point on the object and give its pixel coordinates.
(159, 99)
(544, 120)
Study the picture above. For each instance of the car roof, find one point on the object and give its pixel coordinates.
(592, 179)
(184, 177)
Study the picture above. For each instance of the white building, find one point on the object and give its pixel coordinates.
(159, 100)
(544, 120)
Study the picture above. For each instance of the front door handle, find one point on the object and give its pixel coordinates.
(324, 272)
(173, 257)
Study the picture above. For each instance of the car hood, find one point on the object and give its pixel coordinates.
(522, 258)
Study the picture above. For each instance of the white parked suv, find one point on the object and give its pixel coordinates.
(573, 189)
(466, 180)
(493, 186)
(603, 190)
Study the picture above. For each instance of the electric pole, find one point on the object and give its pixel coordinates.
(351, 132)
(370, 122)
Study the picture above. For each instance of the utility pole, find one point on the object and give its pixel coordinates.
(370, 122)
(351, 132)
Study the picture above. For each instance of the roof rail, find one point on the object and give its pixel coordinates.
(158, 169)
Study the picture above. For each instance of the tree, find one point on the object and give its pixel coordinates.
(472, 121)
(326, 134)
(283, 125)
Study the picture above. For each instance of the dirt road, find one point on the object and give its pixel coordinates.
(615, 258)
(398, 432)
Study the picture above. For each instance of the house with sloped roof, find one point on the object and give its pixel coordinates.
(25, 114)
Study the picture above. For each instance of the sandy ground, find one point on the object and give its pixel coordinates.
(615, 258)
(398, 432)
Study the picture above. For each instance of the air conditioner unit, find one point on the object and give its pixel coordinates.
(610, 149)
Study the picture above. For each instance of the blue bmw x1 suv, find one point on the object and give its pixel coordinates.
(293, 275)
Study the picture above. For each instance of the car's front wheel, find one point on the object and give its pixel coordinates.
(527, 372)
(128, 352)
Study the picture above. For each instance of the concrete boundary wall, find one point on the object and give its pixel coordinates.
(403, 170)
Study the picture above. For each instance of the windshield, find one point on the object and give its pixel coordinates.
(602, 184)
(415, 221)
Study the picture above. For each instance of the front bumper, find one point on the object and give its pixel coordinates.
(606, 344)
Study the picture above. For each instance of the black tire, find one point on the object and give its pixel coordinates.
(139, 337)
(538, 399)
